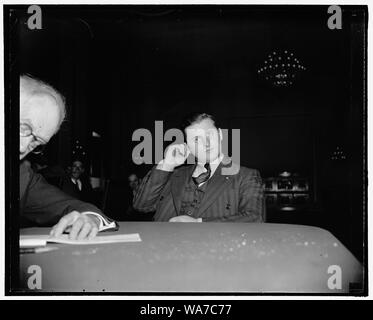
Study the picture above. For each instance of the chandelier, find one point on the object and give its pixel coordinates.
(281, 68)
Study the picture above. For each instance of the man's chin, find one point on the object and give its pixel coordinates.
(207, 159)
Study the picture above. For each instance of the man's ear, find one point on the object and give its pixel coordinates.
(220, 134)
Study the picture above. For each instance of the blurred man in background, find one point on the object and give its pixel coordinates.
(77, 184)
(134, 183)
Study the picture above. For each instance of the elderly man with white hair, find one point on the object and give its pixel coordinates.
(42, 110)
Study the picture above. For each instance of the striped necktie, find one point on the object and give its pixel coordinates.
(203, 176)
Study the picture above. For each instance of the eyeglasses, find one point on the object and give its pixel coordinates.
(37, 145)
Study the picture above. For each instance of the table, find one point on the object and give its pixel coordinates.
(199, 257)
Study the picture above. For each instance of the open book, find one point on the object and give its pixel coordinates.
(27, 241)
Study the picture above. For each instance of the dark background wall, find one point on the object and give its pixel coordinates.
(122, 68)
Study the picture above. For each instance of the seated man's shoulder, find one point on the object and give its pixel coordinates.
(251, 175)
(235, 169)
(249, 171)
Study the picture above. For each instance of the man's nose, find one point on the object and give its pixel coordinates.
(24, 143)
(207, 142)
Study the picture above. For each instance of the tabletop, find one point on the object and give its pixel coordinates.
(197, 257)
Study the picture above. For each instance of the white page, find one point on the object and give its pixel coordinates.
(42, 240)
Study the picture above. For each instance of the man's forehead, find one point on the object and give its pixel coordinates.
(200, 131)
(42, 113)
(38, 99)
(203, 124)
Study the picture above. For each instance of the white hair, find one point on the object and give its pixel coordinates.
(30, 86)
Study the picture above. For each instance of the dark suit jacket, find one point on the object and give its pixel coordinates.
(238, 197)
(42, 204)
(70, 188)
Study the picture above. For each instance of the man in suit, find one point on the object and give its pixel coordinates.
(214, 189)
(76, 184)
(42, 110)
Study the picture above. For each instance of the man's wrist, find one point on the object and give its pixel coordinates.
(162, 165)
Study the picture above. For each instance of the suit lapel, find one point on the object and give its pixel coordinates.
(177, 185)
(215, 187)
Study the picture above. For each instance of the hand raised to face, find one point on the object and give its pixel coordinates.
(175, 155)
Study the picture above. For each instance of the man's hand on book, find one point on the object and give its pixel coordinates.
(79, 226)
(176, 154)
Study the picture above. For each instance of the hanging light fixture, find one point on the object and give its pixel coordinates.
(281, 68)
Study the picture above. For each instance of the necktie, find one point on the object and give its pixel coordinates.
(77, 183)
(203, 176)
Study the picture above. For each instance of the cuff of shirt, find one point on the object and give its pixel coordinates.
(104, 224)
(160, 176)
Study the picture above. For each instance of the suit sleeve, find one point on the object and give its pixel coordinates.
(150, 189)
(46, 204)
(251, 206)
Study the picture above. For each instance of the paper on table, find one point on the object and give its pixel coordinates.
(42, 240)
